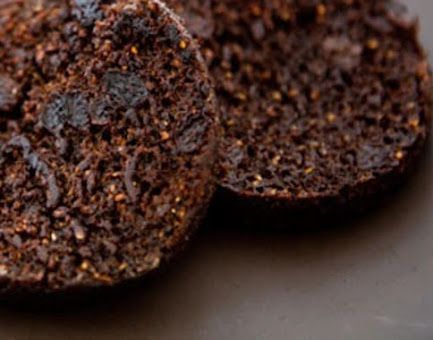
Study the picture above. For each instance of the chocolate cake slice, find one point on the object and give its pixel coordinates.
(323, 102)
(107, 139)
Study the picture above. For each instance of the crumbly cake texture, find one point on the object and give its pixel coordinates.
(323, 102)
(108, 132)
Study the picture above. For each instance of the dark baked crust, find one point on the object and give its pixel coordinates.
(106, 159)
(322, 102)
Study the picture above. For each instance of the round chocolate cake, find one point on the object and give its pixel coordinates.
(323, 102)
(107, 141)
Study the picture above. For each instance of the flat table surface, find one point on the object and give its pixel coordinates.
(371, 279)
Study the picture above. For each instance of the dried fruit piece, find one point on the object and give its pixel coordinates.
(72, 109)
(86, 11)
(125, 88)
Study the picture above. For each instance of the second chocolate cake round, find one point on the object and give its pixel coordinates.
(107, 144)
(322, 101)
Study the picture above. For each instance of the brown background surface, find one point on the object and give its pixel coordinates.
(370, 279)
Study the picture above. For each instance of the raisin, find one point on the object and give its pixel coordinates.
(87, 11)
(125, 89)
(55, 114)
(190, 131)
(79, 108)
(37, 165)
(100, 112)
(67, 108)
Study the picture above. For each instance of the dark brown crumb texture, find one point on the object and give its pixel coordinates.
(107, 136)
(320, 99)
